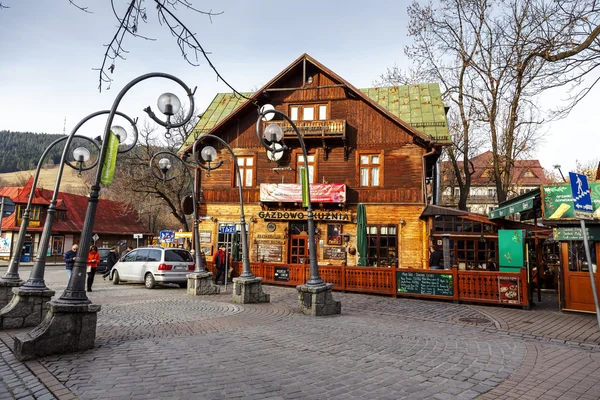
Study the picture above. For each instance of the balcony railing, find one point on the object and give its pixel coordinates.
(331, 128)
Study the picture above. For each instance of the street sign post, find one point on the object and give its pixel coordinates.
(95, 237)
(137, 237)
(167, 236)
(582, 201)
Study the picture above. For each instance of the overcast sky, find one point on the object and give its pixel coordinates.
(48, 50)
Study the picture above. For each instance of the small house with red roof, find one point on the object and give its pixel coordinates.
(115, 223)
(527, 175)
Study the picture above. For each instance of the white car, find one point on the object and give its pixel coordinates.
(154, 265)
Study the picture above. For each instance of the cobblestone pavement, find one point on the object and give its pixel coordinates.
(163, 344)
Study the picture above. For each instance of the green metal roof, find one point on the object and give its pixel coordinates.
(420, 106)
(222, 105)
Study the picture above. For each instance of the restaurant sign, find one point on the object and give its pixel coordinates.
(302, 215)
(558, 201)
(292, 192)
(575, 233)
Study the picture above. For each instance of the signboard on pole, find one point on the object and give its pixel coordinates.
(582, 201)
(167, 236)
(227, 229)
(582, 198)
(138, 235)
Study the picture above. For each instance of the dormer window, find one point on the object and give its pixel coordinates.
(529, 174)
(308, 112)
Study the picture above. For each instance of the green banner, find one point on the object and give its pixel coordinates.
(512, 248)
(305, 189)
(558, 201)
(110, 160)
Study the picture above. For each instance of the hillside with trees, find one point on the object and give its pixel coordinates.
(21, 151)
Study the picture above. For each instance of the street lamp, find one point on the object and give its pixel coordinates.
(71, 320)
(199, 282)
(557, 166)
(164, 165)
(250, 286)
(75, 292)
(315, 297)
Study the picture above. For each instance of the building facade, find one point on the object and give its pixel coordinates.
(376, 146)
(528, 175)
(115, 224)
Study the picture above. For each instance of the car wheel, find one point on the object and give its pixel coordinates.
(183, 285)
(149, 281)
(116, 278)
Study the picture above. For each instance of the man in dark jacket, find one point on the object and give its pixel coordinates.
(111, 260)
(69, 258)
(436, 258)
(219, 262)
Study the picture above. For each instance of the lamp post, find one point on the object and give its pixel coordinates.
(315, 296)
(199, 283)
(11, 278)
(250, 287)
(73, 308)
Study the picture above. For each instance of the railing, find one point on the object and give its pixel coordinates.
(487, 287)
(331, 128)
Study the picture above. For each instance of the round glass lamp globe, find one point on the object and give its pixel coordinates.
(273, 133)
(81, 154)
(120, 132)
(269, 116)
(164, 164)
(169, 104)
(208, 153)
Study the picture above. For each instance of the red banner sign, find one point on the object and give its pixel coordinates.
(292, 192)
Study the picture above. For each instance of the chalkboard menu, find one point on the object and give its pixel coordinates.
(425, 283)
(282, 274)
(334, 253)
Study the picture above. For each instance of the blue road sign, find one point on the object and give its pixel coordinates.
(227, 229)
(167, 236)
(582, 198)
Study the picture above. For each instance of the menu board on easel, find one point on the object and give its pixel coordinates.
(508, 289)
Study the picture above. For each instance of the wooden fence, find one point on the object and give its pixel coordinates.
(470, 286)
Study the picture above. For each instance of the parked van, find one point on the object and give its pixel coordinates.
(154, 265)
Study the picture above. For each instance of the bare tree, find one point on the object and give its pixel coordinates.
(486, 56)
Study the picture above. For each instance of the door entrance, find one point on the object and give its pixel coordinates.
(298, 251)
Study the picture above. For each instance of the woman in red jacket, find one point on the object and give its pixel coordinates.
(92, 263)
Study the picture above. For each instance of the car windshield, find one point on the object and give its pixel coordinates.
(178, 255)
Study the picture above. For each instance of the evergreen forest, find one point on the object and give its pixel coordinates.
(21, 151)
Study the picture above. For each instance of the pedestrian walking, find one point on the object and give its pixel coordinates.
(111, 260)
(92, 264)
(219, 262)
(69, 258)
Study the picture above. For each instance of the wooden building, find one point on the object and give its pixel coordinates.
(376, 146)
(115, 223)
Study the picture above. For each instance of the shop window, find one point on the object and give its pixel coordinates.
(577, 258)
(383, 245)
(370, 165)
(472, 253)
(34, 213)
(247, 168)
(308, 112)
(300, 165)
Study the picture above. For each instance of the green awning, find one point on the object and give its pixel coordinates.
(516, 205)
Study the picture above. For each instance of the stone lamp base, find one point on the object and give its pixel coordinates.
(201, 283)
(27, 308)
(317, 300)
(249, 290)
(67, 328)
(6, 293)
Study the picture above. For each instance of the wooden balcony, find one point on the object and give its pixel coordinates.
(325, 130)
